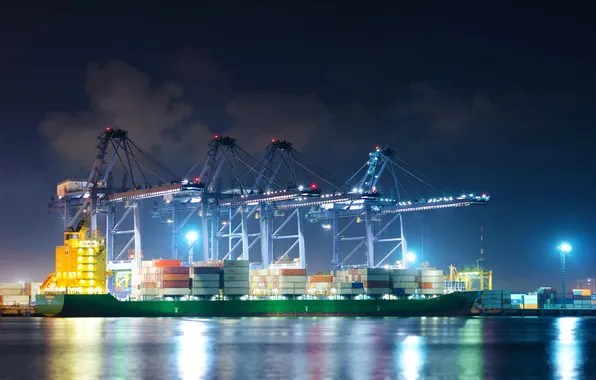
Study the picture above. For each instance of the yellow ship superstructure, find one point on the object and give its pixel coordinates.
(80, 263)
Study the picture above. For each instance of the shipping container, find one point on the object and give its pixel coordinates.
(235, 277)
(175, 270)
(174, 277)
(298, 279)
(235, 284)
(12, 285)
(174, 284)
(292, 272)
(357, 285)
(167, 263)
(206, 270)
(236, 263)
(16, 300)
(236, 270)
(205, 277)
(205, 284)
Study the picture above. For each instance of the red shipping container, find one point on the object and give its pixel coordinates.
(292, 272)
(175, 284)
(175, 270)
(321, 278)
(426, 285)
(167, 263)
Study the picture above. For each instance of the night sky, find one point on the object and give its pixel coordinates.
(497, 100)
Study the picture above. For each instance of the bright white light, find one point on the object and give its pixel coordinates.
(300, 188)
(565, 247)
(411, 257)
(326, 226)
(192, 236)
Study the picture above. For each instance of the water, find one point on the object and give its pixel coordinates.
(298, 348)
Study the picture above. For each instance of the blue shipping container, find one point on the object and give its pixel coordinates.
(399, 291)
(357, 285)
(593, 297)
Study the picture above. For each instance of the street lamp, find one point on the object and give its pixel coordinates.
(564, 248)
(191, 237)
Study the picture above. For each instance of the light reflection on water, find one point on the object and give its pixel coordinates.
(302, 348)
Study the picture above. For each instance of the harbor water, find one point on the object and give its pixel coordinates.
(298, 348)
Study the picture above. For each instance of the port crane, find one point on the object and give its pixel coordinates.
(265, 198)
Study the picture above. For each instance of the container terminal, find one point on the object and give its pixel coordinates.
(262, 211)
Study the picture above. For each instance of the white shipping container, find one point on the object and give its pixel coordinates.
(11, 292)
(405, 272)
(205, 284)
(147, 291)
(299, 279)
(12, 285)
(412, 291)
(431, 273)
(235, 284)
(432, 279)
(205, 277)
(430, 291)
(16, 300)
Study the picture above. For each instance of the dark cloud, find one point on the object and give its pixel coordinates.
(259, 116)
(122, 96)
(443, 114)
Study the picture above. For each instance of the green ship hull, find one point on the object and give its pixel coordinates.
(105, 305)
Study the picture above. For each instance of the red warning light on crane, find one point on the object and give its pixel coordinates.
(197, 180)
(216, 136)
(313, 186)
(377, 147)
(272, 140)
(108, 128)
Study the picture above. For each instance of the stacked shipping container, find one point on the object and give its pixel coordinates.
(319, 285)
(160, 278)
(205, 281)
(278, 282)
(496, 299)
(233, 277)
(18, 293)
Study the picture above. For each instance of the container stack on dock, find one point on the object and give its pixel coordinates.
(278, 281)
(582, 299)
(496, 299)
(18, 293)
(160, 278)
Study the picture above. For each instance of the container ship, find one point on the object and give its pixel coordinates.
(230, 288)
